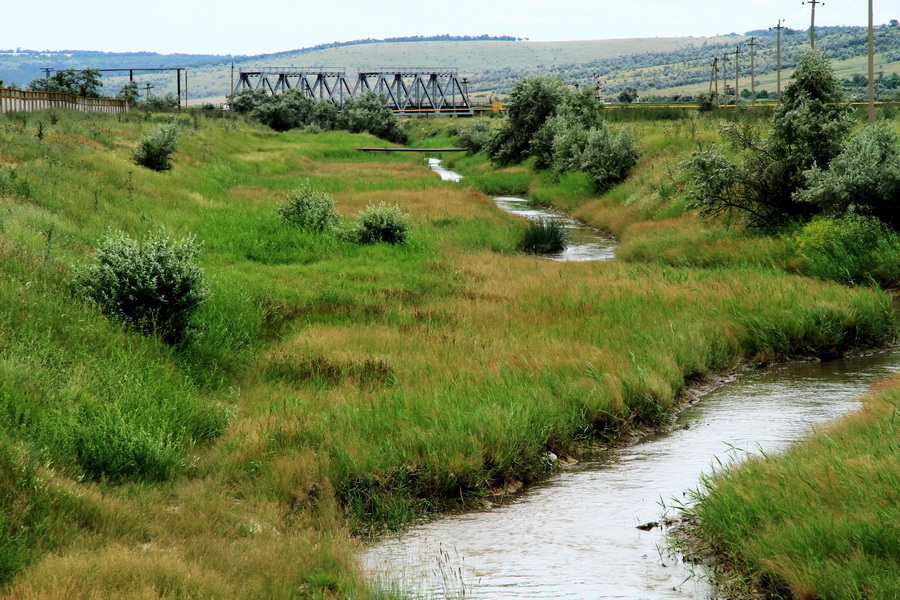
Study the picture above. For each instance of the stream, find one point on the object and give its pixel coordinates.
(575, 535)
(585, 243)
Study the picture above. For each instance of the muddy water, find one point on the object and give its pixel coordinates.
(574, 535)
(585, 243)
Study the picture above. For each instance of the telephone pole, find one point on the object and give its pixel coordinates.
(716, 75)
(871, 68)
(752, 45)
(779, 27)
(725, 77)
(737, 73)
(812, 25)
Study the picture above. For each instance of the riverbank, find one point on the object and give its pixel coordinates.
(334, 388)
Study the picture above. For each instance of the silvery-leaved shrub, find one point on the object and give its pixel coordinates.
(153, 284)
(383, 223)
(309, 209)
(157, 147)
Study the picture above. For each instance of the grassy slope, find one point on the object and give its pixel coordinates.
(366, 384)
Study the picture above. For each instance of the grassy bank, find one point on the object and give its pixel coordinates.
(818, 521)
(330, 387)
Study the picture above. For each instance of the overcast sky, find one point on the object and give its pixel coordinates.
(264, 26)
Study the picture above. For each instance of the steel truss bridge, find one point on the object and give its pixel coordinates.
(407, 91)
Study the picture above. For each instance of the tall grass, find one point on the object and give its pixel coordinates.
(820, 520)
(332, 386)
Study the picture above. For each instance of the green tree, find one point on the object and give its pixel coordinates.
(807, 131)
(129, 93)
(85, 83)
(863, 179)
(371, 113)
(628, 95)
(532, 101)
(285, 111)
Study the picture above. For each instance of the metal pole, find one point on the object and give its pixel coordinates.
(871, 67)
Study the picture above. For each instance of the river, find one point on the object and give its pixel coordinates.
(575, 535)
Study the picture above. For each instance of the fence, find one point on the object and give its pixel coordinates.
(24, 101)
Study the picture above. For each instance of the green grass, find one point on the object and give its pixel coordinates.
(331, 387)
(820, 520)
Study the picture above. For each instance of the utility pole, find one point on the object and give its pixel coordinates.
(812, 25)
(716, 70)
(737, 73)
(231, 92)
(779, 27)
(752, 45)
(725, 77)
(871, 68)
(147, 96)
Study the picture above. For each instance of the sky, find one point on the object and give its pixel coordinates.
(266, 26)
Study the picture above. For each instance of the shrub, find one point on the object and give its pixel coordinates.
(807, 131)
(605, 156)
(245, 102)
(543, 236)
(309, 209)
(531, 102)
(863, 179)
(286, 111)
(371, 113)
(157, 146)
(849, 249)
(153, 285)
(475, 136)
(383, 223)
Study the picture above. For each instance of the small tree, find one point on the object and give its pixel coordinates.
(628, 95)
(153, 285)
(371, 113)
(129, 93)
(247, 101)
(531, 102)
(156, 148)
(285, 111)
(807, 131)
(864, 179)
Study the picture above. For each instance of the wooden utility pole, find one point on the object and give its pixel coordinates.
(752, 45)
(871, 68)
(812, 24)
(716, 71)
(779, 27)
(725, 77)
(737, 74)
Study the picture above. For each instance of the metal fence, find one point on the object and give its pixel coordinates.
(25, 101)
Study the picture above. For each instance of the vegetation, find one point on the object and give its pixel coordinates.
(157, 147)
(544, 236)
(382, 223)
(818, 521)
(807, 132)
(330, 387)
(309, 209)
(153, 284)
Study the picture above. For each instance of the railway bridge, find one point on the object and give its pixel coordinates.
(407, 91)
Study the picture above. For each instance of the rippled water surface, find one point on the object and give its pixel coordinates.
(574, 535)
(585, 243)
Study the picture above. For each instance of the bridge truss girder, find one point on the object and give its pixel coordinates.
(407, 91)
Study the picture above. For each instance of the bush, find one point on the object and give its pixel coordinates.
(544, 236)
(370, 113)
(849, 249)
(286, 111)
(605, 156)
(309, 209)
(475, 136)
(157, 146)
(152, 285)
(531, 102)
(383, 223)
(247, 101)
(863, 179)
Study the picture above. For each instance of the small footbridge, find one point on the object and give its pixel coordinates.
(407, 91)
